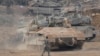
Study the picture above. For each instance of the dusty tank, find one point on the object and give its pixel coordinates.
(80, 21)
(44, 7)
(84, 24)
(62, 37)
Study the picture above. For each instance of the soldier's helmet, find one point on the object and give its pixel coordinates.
(66, 23)
(66, 20)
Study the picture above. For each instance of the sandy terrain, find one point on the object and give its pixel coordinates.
(63, 53)
(89, 49)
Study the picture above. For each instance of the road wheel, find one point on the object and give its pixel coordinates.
(79, 44)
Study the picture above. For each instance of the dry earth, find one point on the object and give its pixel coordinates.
(63, 53)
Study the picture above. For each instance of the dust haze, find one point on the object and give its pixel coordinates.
(16, 16)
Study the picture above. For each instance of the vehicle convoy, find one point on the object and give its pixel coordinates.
(50, 23)
(51, 13)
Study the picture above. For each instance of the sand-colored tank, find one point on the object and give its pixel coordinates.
(61, 36)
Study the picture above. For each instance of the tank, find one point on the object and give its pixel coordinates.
(84, 24)
(45, 7)
(80, 21)
(62, 37)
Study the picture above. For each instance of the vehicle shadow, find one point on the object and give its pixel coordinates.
(67, 48)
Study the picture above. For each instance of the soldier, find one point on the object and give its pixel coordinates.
(66, 23)
(33, 25)
(46, 47)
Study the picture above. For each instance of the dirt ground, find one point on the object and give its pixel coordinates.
(89, 49)
(63, 53)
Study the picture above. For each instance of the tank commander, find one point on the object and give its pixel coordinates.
(66, 23)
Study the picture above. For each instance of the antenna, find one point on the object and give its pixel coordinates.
(37, 13)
